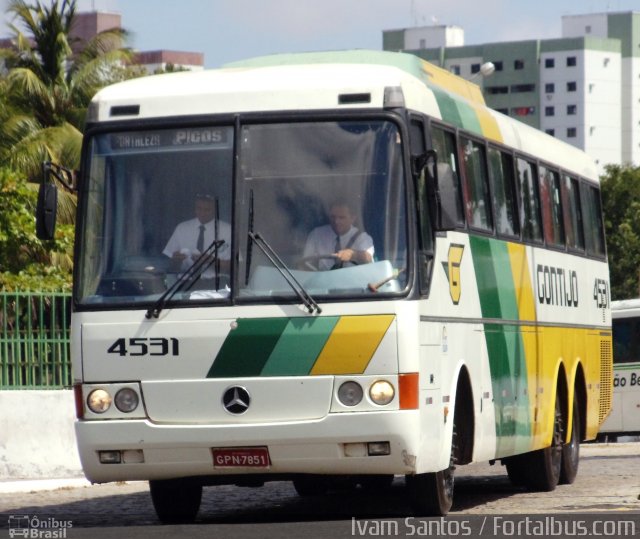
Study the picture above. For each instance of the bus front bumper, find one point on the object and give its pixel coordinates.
(337, 444)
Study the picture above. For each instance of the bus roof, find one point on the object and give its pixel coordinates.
(314, 81)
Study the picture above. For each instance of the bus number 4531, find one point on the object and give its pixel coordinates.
(145, 346)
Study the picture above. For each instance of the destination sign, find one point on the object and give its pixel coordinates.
(219, 137)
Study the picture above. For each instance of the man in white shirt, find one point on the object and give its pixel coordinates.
(341, 242)
(191, 238)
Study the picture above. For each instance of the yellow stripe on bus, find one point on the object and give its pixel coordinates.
(522, 281)
(352, 344)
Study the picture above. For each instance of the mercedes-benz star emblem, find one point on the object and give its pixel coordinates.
(236, 400)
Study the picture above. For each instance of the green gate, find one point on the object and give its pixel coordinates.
(34, 340)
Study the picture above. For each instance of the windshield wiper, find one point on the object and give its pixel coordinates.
(277, 262)
(192, 274)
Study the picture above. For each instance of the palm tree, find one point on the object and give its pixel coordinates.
(50, 81)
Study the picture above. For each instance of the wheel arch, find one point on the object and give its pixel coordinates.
(464, 416)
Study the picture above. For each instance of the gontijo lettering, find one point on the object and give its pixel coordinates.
(557, 286)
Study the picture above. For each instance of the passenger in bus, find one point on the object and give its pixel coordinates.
(191, 238)
(339, 243)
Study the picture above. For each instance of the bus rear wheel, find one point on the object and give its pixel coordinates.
(176, 501)
(571, 450)
(543, 466)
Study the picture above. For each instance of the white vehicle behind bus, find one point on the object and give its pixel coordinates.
(624, 419)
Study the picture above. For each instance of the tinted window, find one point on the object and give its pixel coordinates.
(503, 190)
(626, 340)
(529, 201)
(477, 202)
(448, 177)
(572, 213)
(594, 231)
(551, 206)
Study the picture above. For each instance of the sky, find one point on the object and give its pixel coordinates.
(230, 30)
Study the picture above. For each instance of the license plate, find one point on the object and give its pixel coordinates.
(241, 457)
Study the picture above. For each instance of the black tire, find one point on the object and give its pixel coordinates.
(571, 450)
(516, 470)
(311, 485)
(175, 501)
(543, 466)
(431, 494)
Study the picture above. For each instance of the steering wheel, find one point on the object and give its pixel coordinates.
(311, 262)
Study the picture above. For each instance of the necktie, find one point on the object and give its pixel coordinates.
(200, 242)
(338, 264)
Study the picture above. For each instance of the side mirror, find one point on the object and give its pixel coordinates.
(46, 211)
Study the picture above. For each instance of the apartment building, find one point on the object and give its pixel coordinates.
(583, 87)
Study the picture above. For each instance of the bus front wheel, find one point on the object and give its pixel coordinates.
(431, 494)
(175, 501)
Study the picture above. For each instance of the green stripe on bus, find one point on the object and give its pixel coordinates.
(456, 111)
(484, 266)
(502, 269)
(299, 346)
(247, 348)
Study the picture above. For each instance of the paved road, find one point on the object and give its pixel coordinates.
(607, 487)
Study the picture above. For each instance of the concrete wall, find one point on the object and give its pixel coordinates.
(37, 438)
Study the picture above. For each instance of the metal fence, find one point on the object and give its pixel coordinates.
(34, 340)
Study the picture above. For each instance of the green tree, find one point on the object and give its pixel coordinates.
(26, 263)
(50, 82)
(621, 208)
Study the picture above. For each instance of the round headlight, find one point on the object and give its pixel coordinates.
(99, 401)
(350, 393)
(126, 400)
(381, 392)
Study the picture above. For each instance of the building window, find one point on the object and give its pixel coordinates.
(523, 111)
(572, 86)
(572, 110)
(571, 61)
(587, 29)
(455, 69)
(549, 111)
(551, 132)
(492, 90)
(498, 65)
(549, 62)
(518, 64)
(549, 87)
(503, 111)
(571, 132)
(423, 43)
(475, 68)
(519, 88)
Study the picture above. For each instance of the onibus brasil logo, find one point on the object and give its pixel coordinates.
(38, 528)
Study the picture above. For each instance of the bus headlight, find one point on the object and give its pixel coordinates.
(350, 393)
(126, 400)
(381, 392)
(99, 401)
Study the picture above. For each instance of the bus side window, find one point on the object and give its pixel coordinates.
(529, 201)
(594, 229)
(626, 340)
(551, 207)
(504, 193)
(475, 185)
(448, 179)
(572, 213)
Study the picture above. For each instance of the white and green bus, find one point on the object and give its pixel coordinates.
(473, 324)
(624, 419)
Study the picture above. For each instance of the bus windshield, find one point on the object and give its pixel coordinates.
(327, 198)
